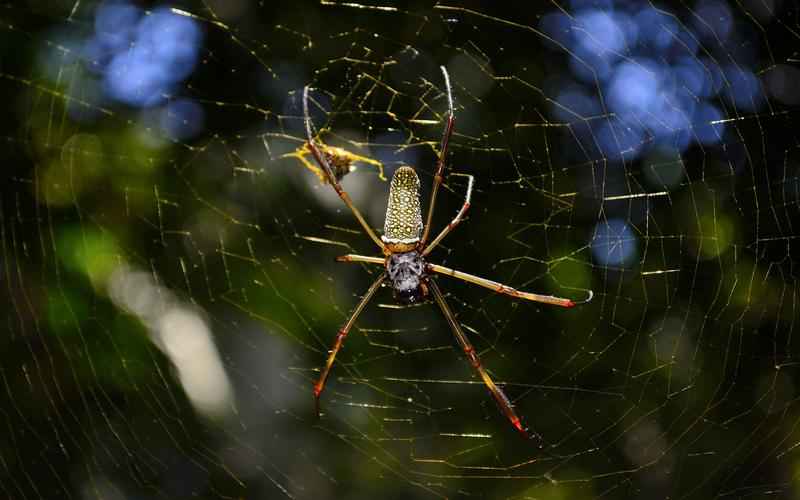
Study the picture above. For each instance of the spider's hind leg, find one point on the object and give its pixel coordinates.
(499, 396)
(341, 336)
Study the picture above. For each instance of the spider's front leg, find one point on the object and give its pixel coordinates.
(458, 218)
(331, 175)
(439, 176)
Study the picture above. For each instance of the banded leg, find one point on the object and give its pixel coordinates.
(458, 218)
(337, 344)
(326, 168)
(439, 176)
(351, 257)
(507, 290)
(469, 350)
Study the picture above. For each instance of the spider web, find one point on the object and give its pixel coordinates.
(168, 258)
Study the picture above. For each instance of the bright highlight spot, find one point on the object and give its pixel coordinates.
(614, 243)
(182, 333)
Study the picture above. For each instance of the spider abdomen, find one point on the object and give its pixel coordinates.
(406, 272)
(403, 225)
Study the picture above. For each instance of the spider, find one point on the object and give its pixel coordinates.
(405, 246)
(340, 160)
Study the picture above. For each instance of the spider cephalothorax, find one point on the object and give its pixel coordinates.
(405, 245)
(406, 272)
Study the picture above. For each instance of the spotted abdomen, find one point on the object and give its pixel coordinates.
(403, 226)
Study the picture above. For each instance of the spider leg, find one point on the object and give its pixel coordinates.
(337, 344)
(507, 290)
(439, 177)
(331, 176)
(360, 258)
(457, 219)
(469, 350)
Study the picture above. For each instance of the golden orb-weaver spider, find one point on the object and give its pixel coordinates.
(342, 161)
(404, 245)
